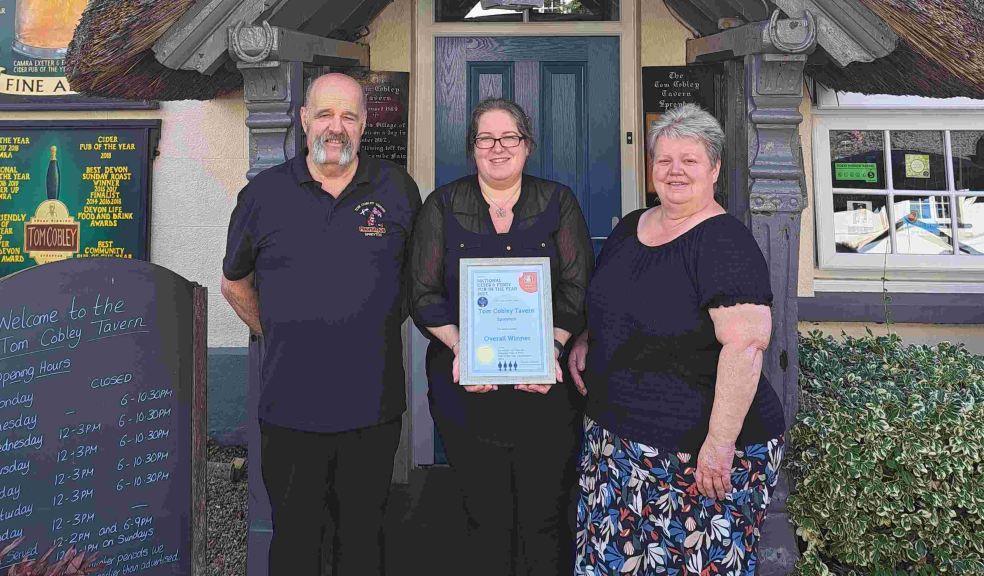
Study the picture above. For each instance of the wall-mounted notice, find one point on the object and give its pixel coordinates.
(664, 87)
(74, 190)
(102, 406)
(388, 98)
(34, 38)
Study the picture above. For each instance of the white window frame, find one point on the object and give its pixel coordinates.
(908, 272)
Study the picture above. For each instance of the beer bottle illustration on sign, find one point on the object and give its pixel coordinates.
(52, 234)
(51, 182)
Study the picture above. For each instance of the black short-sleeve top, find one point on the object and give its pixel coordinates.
(331, 278)
(653, 355)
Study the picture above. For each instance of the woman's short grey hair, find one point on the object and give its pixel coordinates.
(688, 121)
(523, 124)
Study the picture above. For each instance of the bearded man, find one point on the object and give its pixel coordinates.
(315, 263)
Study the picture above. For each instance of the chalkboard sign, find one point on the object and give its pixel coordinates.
(664, 87)
(387, 96)
(102, 411)
(74, 190)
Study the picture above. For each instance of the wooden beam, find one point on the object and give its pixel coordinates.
(296, 14)
(775, 36)
(847, 29)
(197, 41)
(330, 18)
(251, 44)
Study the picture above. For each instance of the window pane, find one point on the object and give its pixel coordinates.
(552, 11)
(861, 224)
(569, 10)
(971, 218)
(857, 159)
(918, 160)
(923, 225)
(968, 159)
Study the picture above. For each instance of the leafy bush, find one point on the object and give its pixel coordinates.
(72, 564)
(888, 457)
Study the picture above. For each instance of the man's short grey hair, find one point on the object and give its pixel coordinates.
(363, 101)
(523, 124)
(688, 121)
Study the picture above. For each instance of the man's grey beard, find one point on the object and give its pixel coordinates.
(320, 154)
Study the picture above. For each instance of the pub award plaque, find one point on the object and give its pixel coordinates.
(506, 322)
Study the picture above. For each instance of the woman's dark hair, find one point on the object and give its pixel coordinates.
(523, 124)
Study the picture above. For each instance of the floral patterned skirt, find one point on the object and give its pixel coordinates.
(639, 511)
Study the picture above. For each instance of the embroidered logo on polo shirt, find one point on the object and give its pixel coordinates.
(373, 213)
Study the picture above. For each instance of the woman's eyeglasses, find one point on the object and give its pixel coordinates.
(486, 142)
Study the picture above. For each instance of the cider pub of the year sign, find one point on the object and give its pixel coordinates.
(102, 411)
(75, 189)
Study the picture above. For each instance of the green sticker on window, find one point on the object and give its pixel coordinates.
(863, 171)
(917, 165)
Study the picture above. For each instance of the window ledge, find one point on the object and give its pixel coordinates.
(905, 307)
(968, 283)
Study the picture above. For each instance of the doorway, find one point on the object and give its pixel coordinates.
(570, 88)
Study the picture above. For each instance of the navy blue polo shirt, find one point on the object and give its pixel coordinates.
(332, 293)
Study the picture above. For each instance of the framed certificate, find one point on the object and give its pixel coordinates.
(506, 322)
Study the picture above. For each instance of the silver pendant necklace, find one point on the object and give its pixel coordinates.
(500, 212)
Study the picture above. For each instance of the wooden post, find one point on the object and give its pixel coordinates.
(777, 196)
(273, 91)
(199, 432)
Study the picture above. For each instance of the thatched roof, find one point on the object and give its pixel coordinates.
(940, 52)
(111, 54)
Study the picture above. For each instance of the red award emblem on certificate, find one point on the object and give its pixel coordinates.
(528, 282)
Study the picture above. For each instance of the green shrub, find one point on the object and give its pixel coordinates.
(888, 457)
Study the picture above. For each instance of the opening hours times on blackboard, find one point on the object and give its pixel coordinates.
(89, 435)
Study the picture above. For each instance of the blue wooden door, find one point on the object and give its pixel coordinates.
(569, 86)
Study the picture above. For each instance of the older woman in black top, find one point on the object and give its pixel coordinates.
(683, 433)
(512, 448)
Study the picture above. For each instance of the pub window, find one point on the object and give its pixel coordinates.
(552, 11)
(900, 191)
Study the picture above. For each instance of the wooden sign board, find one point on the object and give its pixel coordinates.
(388, 98)
(664, 87)
(102, 403)
(74, 190)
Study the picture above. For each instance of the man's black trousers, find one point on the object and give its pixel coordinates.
(310, 476)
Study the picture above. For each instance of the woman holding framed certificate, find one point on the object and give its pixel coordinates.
(683, 433)
(511, 446)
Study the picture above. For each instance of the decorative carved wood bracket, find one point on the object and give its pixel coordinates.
(271, 60)
(273, 94)
(774, 88)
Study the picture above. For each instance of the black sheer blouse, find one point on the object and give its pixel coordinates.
(430, 305)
